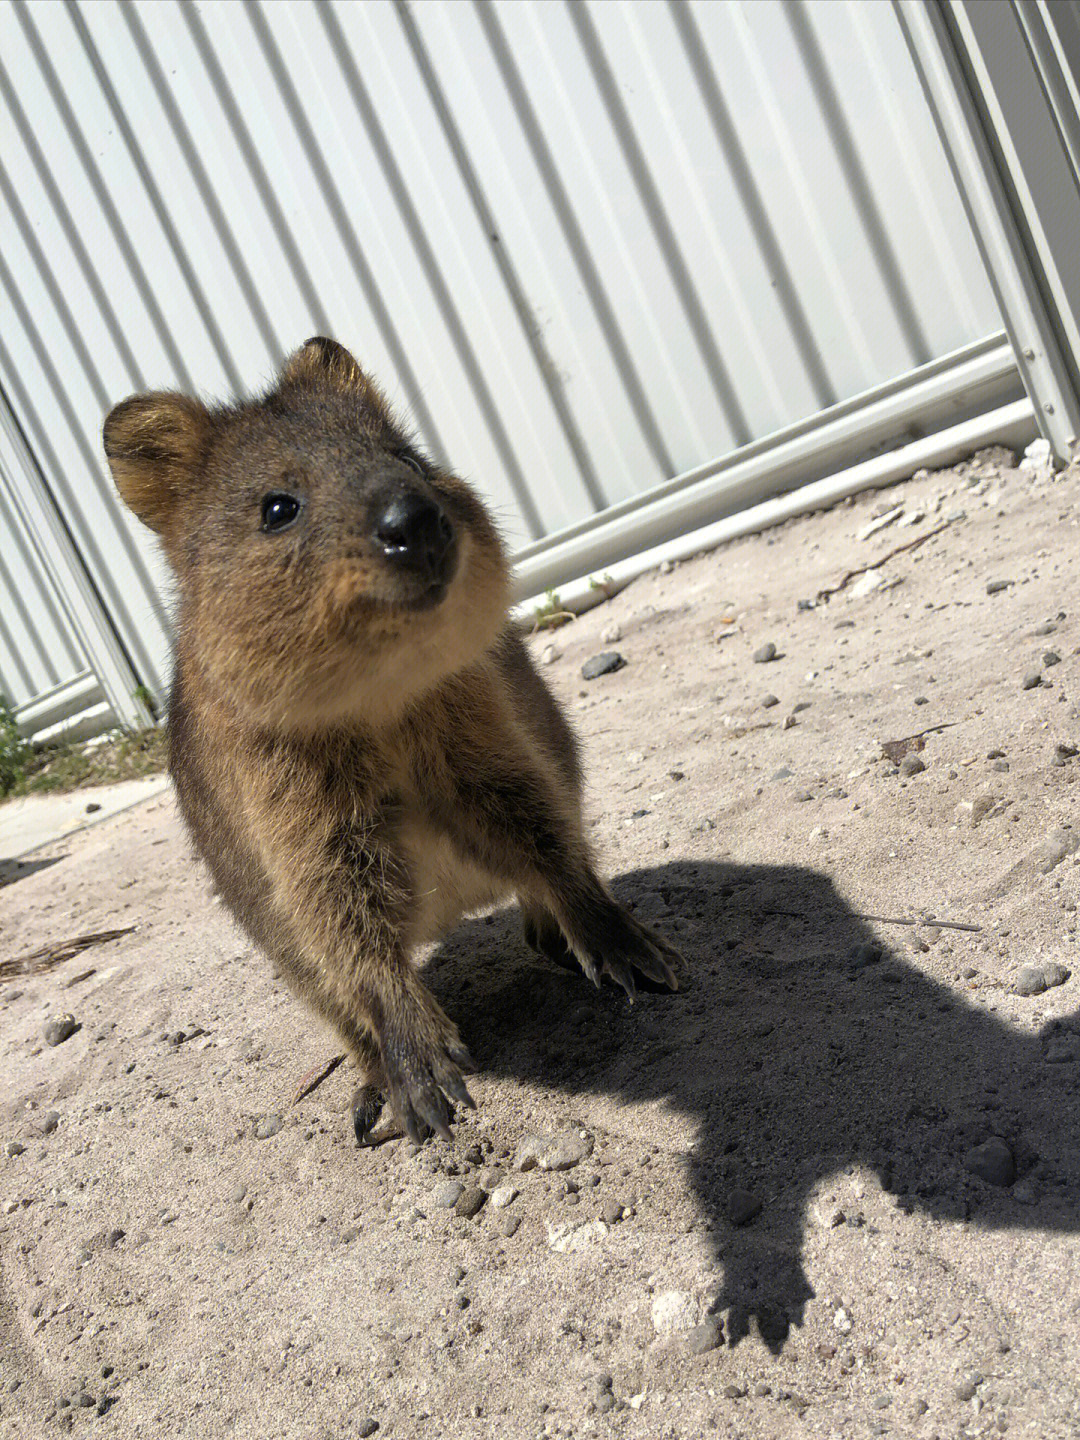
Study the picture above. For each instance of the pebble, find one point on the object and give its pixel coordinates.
(866, 954)
(965, 1389)
(529, 1150)
(491, 1177)
(1062, 1049)
(994, 587)
(1030, 980)
(447, 1194)
(992, 1161)
(1051, 851)
(1051, 658)
(602, 664)
(975, 810)
(1032, 678)
(704, 1337)
(503, 1195)
(1046, 628)
(769, 701)
(880, 522)
(51, 1121)
(566, 1150)
(612, 1212)
(911, 765)
(237, 1193)
(548, 655)
(842, 1320)
(675, 1311)
(611, 634)
(733, 1392)
(508, 1225)
(14, 1147)
(267, 1126)
(470, 1202)
(367, 1427)
(765, 653)
(59, 1029)
(741, 1206)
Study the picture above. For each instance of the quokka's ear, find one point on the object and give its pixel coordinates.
(321, 362)
(155, 446)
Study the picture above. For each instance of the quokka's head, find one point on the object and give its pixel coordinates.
(327, 572)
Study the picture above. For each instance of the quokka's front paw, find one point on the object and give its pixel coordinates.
(607, 940)
(424, 1062)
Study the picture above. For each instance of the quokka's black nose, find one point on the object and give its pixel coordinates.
(414, 534)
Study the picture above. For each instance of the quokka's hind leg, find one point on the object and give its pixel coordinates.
(369, 1097)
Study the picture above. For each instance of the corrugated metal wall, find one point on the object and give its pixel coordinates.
(586, 246)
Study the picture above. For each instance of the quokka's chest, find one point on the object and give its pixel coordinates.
(446, 883)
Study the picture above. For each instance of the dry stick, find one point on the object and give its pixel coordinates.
(49, 955)
(881, 559)
(314, 1078)
(883, 920)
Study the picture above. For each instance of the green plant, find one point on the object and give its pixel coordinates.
(14, 750)
(551, 614)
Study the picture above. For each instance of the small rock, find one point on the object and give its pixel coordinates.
(882, 1402)
(733, 1392)
(765, 653)
(1046, 628)
(1062, 1049)
(1054, 849)
(529, 1151)
(1024, 1193)
(966, 1388)
(789, 722)
(83, 1400)
(503, 1195)
(1032, 679)
(470, 1202)
(1037, 456)
(59, 1029)
(867, 584)
(566, 1150)
(548, 655)
(842, 1320)
(880, 522)
(508, 1225)
(1055, 973)
(975, 810)
(491, 1177)
(1030, 980)
(50, 1122)
(93, 808)
(769, 701)
(866, 954)
(611, 634)
(612, 1212)
(803, 796)
(602, 664)
(676, 1311)
(1064, 751)
(911, 765)
(992, 1161)
(741, 1206)
(1051, 658)
(704, 1337)
(447, 1194)
(994, 587)
(237, 1194)
(14, 1147)
(267, 1126)
(367, 1427)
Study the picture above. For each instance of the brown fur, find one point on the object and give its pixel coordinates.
(360, 760)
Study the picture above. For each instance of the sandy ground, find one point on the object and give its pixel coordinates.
(165, 1272)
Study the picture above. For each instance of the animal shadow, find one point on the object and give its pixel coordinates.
(799, 1045)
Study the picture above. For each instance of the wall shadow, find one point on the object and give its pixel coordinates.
(800, 1045)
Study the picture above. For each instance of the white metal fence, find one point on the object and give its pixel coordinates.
(587, 247)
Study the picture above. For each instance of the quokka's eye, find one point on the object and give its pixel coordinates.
(279, 512)
(411, 463)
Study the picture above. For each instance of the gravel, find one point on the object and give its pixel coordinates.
(602, 664)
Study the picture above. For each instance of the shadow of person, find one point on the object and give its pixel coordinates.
(799, 1046)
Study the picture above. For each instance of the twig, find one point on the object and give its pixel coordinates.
(883, 919)
(314, 1078)
(48, 956)
(895, 750)
(881, 559)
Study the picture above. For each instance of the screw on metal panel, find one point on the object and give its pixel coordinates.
(1049, 409)
(1029, 354)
